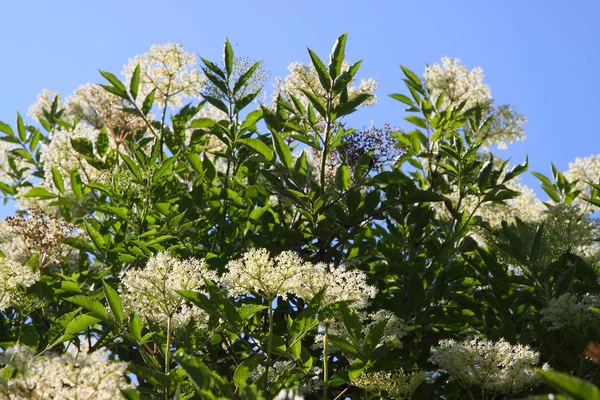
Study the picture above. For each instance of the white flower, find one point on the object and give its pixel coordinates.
(257, 272)
(304, 77)
(397, 384)
(12, 276)
(568, 312)
(63, 377)
(169, 69)
(340, 284)
(150, 292)
(458, 83)
(492, 366)
(60, 154)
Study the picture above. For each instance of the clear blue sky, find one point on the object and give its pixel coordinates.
(540, 56)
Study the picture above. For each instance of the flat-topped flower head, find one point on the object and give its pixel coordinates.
(339, 282)
(493, 366)
(87, 376)
(150, 292)
(170, 70)
(397, 384)
(257, 272)
(14, 275)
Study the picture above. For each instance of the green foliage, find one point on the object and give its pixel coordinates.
(438, 266)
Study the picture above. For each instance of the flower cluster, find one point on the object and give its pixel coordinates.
(42, 234)
(170, 70)
(568, 311)
(497, 367)
(304, 77)
(340, 284)
(13, 275)
(458, 83)
(44, 102)
(89, 376)
(12, 168)
(150, 292)
(257, 272)
(98, 107)
(59, 154)
(11, 245)
(397, 384)
(584, 170)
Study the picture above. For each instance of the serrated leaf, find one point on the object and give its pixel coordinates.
(113, 300)
(283, 151)
(259, 147)
(135, 327)
(58, 180)
(321, 71)
(40, 193)
(336, 59)
(90, 304)
(21, 128)
(148, 102)
(134, 84)
(228, 57)
(77, 185)
(102, 143)
(80, 323)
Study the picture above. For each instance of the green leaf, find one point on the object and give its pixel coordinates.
(21, 128)
(516, 170)
(411, 76)
(210, 170)
(132, 167)
(113, 300)
(40, 193)
(245, 77)
(316, 102)
(241, 103)
(135, 327)
(217, 103)
(195, 162)
(577, 388)
(102, 143)
(259, 147)
(58, 180)
(283, 151)
(83, 146)
(342, 81)
(134, 85)
(402, 98)
(77, 185)
(148, 102)
(228, 57)
(420, 122)
(198, 373)
(244, 370)
(94, 235)
(352, 323)
(321, 70)
(113, 80)
(80, 323)
(90, 304)
(336, 58)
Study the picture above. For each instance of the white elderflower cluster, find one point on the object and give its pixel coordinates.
(304, 77)
(169, 69)
(397, 384)
(458, 83)
(150, 292)
(257, 272)
(584, 170)
(497, 367)
(62, 377)
(44, 102)
(96, 106)
(505, 127)
(14, 275)
(394, 330)
(339, 282)
(60, 154)
(11, 244)
(568, 311)
(6, 173)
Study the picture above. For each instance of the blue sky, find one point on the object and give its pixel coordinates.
(539, 56)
